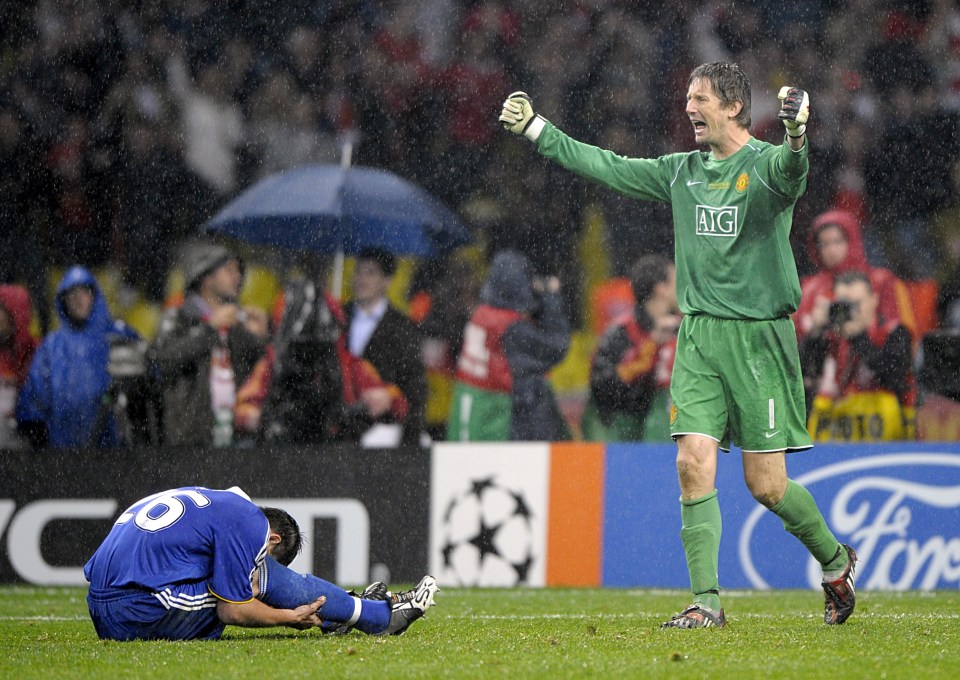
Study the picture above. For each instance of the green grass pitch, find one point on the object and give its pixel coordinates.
(518, 633)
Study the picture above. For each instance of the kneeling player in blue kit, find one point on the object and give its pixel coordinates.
(184, 563)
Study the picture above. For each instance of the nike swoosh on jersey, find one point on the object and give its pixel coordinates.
(690, 183)
(771, 434)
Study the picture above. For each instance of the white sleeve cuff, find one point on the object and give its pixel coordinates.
(535, 128)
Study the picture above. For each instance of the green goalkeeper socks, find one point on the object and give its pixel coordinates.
(700, 533)
(802, 518)
(702, 527)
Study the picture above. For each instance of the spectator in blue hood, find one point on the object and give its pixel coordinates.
(63, 400)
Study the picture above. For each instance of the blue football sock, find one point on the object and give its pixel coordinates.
(284, 588)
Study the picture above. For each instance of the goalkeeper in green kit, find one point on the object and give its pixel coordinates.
(736, 375)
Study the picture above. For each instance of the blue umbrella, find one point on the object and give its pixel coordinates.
(335, 209)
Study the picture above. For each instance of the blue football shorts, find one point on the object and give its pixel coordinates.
(186, 611)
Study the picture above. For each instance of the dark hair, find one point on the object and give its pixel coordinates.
(646, 273)
(853, 276)
(383, 259)
(291, 541)
(729, 83)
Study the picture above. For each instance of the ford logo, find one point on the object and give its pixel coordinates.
(900, 512)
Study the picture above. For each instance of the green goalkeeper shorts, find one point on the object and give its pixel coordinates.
(739, 380)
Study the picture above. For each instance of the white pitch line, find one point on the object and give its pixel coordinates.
(571, 616)
(44, 618)
(642, 614)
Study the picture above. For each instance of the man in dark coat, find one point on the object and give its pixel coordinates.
(206, 349)
(384, 336)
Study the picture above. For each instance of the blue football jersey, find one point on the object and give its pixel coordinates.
(191, 534)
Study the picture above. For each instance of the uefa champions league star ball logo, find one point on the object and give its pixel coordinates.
(488, 536)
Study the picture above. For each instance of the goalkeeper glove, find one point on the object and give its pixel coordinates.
(794, 110)
(518, 116)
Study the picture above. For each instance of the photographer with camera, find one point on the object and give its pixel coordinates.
(514, 337)
(66, 399)
(308, 388)
(835, 246)
(206, 348)
(630, 372)
(857, 368)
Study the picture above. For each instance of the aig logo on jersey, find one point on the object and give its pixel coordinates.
(717, 221)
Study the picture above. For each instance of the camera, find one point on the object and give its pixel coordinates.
(840, 312)
(127, 357)
(133, 400)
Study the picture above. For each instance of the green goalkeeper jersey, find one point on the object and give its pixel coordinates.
(732, 218)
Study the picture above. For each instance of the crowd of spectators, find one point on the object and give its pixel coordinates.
(125, 125)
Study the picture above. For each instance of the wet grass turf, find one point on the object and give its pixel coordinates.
(518, 633)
